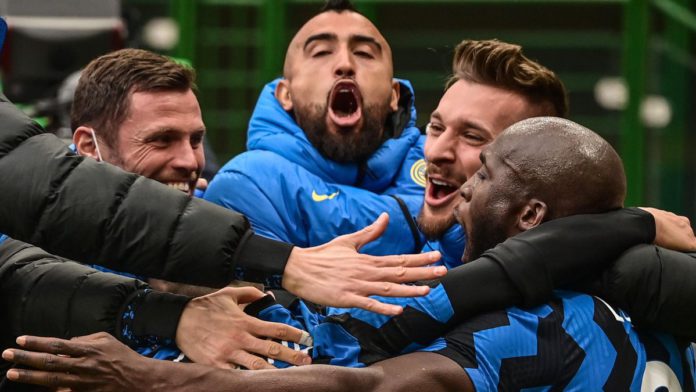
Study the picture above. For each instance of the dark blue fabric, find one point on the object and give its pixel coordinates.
(576, 342)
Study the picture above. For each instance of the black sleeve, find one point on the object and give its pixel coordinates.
(549, 256)
(41, 294)
(656, 286)
(523, 270)
(97, 213)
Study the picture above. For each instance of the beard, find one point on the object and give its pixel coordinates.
(486, 233)
(434, 227)
(352, 147)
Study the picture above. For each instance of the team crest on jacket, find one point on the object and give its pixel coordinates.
(418, 172)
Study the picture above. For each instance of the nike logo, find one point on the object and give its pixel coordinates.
(316, 197)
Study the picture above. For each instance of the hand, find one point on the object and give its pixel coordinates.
(94, 362)
(336, 274)
(213, 330)
(201, 184)
(672, 231)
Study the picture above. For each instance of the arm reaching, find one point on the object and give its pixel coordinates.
(523, 270)
(336, 274)
(672, 231)
(99, 362)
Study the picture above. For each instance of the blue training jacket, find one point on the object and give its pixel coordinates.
(290, 192)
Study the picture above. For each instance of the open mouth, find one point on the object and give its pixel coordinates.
(184, 186)
(440, 192)
(345, 104)
(180, 186)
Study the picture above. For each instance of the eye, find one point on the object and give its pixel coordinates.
(321, 53)
(481, 175)
(434, 129)
(364, 54)
(161, 140)
(196, 140)
(475, 139)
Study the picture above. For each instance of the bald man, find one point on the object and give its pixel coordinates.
(333, 143)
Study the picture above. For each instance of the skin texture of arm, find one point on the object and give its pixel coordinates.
(100, 363)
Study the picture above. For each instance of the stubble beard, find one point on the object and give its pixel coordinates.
(351, 147)
(486, 233)
(434, 227)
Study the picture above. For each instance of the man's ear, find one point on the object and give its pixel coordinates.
(84, 142)
(282, 94)
(532, 214)
(395, 95)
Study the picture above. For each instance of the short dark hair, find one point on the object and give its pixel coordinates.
(500, 64)
(338, 6)
(102, 96)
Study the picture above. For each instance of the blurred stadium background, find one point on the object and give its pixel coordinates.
(629, 64)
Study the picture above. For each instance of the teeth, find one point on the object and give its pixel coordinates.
(440, 183)
(180, 186)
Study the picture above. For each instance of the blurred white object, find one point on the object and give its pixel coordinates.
(611, 93)
(161, 33)
(655, 111)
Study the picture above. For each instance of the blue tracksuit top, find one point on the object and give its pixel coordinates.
(290, 192)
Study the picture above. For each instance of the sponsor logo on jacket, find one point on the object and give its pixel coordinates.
(318, 198)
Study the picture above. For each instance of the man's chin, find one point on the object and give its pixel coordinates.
(434, 227)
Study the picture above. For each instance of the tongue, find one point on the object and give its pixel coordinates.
(443, 191)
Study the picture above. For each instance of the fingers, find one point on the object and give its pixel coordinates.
(402, 275)
(367, 234)
(42, 361)
(201, 183)
(275, 350)
(416, 260)
(47, 379)
(51, 345)
(394, 289)
(278, 351)
(251, 362)
(243, 294)
(281, 332)
(374, 306)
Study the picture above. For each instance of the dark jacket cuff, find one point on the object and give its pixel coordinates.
(158, 314)
(260, 257)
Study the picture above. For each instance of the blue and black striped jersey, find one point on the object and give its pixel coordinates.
(575, 342)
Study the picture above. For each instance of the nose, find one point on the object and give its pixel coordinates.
(467, 189)
(344, 64)
(440, 149)
(187, 157)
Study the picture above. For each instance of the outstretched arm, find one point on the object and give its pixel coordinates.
(133, 224)
(99, 362)
(421, 371)
(523, 270)
(36, 286)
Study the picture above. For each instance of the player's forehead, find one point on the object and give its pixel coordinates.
(343, 25)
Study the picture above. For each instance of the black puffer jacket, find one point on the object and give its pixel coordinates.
(94, 212)
(46, 295)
